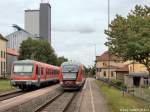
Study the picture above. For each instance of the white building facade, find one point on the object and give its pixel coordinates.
(15, 39)
(31, 19)
(38, 22)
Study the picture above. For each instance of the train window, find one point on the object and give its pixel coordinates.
(42, 71)
(50, 71)
(58, 72)
(47, 71)
(71, 68)
(23, 68)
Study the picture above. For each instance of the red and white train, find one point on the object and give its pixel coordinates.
(71, 75)
(30, 73)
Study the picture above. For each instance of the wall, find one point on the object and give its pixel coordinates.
(15, 39)
(137, 68)
(45, 21)
(102, 66)
(2, 56)
(32, 22)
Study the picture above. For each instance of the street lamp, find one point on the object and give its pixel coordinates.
(108, 36)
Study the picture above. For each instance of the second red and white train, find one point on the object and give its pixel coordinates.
(71, 75)
(30, 73)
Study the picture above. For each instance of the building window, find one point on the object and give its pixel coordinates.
(104, 64)
(104, 73)
(4, 54)
(1, 54)
(98, 69)
(4, 67)
(131, 68)
(112, 73)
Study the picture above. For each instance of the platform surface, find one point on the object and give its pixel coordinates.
(93, 100)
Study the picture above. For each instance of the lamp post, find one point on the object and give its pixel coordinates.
(108, 49)
(95, 60)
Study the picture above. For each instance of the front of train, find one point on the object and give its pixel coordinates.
(71, 75)
(22, 74)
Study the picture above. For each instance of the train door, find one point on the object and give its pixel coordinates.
(38, 75)
(42, 73)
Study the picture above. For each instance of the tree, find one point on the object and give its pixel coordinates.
(39, 50)
(60, 60)
(129, 37)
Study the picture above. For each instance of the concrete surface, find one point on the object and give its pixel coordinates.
(29, 102)
(92, 99)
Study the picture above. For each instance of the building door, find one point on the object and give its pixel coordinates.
(136, 81)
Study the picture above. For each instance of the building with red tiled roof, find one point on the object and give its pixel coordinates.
(107, 64)
(108, 56)
(3, 42)
(121, 72)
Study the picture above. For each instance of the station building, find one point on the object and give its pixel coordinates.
(138, 75)
(3, 42)
(107, 64)
(110, 66)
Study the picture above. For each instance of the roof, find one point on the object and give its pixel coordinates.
(71, 63)
(12, 52)
(138, 74)
(31, 10)
(123, 69)
(33, 61)
(1, 37)
(106, 56)
(110, 67)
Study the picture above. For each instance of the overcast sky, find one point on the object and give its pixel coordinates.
(77, 25)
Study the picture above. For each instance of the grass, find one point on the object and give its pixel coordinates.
(119, 103)
(5, 85)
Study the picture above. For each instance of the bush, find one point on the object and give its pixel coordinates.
(119, 84)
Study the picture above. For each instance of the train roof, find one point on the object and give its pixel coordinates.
(33, 61)
(71, 63)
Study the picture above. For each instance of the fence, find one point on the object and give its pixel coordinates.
(143, 93)
(140, 92)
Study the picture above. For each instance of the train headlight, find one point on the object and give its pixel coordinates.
(78, 83)
(13, 82)
(61, 82)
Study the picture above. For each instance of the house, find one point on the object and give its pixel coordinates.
(121, 72)
(107, 64)
(138, 75)
(3, 42)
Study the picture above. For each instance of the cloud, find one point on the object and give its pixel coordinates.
(75, 23)
(74, 28)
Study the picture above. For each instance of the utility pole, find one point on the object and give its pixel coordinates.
(108, 48)
(95, 59)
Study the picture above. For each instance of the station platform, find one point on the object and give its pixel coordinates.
(92, 98)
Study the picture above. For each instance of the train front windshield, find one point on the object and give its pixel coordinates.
(69, 72)
(22, 69)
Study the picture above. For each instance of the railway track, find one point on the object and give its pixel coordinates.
(11, 95)
(59, 103)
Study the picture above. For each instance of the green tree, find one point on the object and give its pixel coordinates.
(39, 50)
(61, 59)
(129, 37)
